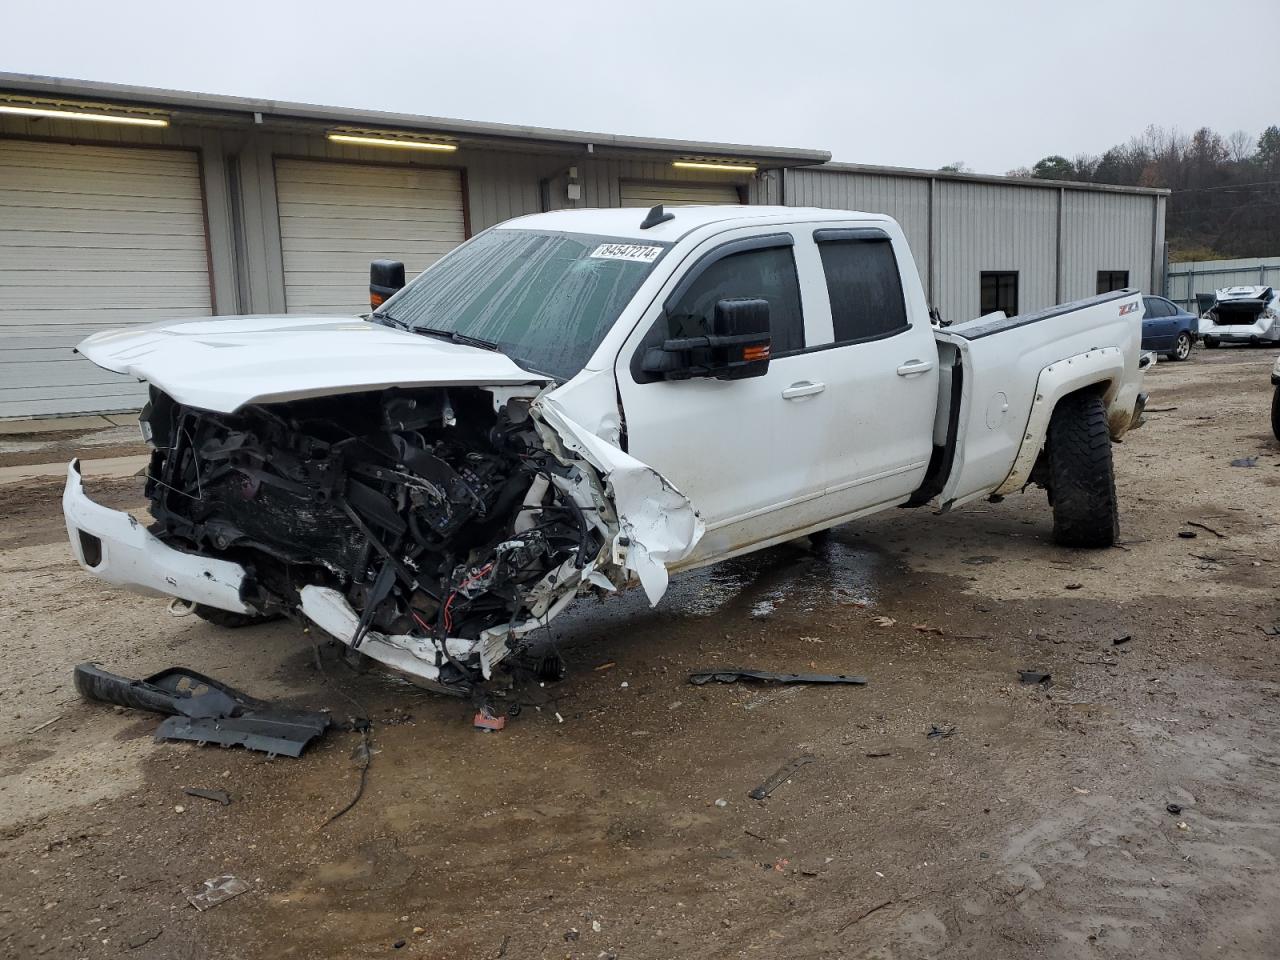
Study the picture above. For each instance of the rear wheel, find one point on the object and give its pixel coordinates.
(1211, 343)
(229, 618)
(1275, 413)
(1082, 484)
(1181, 347)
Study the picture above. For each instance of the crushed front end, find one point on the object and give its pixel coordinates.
(428, 528)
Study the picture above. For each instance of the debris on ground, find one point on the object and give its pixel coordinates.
(362, 754)
(217, 890)
(1035, 676)
(1273, 630)
(781, 776)
(884, 621)
(217, 796)
(1245, 462)
(1173, 808)
(936, 732)
(1187, 534)
(876, 754)
(48, 723)
(1206, 527)
(551, 668)
(205, 710)
(486, 721)
(1121, 641)
(736, 674)
(1074, 586)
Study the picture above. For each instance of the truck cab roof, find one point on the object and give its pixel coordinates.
(626, 221)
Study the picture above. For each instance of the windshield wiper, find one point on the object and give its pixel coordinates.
(456, 337)
(388, 320)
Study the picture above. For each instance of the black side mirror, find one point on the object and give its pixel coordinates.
(385, 278)
(738, 346)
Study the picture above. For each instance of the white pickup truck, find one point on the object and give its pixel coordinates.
(576, 401)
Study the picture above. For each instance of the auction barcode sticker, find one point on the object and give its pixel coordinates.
(639, 252)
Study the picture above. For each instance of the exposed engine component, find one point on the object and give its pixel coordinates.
(440, 525)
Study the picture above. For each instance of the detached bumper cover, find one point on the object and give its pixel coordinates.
(115, 547)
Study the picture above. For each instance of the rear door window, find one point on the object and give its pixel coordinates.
(863, 284)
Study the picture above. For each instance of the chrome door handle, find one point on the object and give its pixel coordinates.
(805, 388)
(912, 367)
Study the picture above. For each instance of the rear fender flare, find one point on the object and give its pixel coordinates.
(1102, 368)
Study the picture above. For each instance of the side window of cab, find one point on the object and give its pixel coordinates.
(864, 284)
(768, 274)
(761, 268)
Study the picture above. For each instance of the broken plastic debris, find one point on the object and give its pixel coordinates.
(487, 721)
(214, 891)
(734, 674)
(217, 796)
(780, 776)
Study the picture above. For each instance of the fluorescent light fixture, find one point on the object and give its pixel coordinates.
(722, 167)
(135, 119)
(365, 141)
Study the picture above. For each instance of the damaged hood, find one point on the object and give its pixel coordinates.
(224, 363)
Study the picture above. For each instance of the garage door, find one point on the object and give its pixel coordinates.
(90, 238)
(638, 194)
(336, 217)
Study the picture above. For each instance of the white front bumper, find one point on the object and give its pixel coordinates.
(115, 547)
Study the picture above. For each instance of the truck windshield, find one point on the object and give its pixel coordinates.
(546, 300)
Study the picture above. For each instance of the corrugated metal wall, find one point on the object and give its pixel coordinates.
(1105, 231)
(906, 200)
(959, 228)
(1185, 280)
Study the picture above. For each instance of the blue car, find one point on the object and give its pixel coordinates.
(1168, 329)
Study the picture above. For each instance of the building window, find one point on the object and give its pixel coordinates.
(999, 292)
(1109, 280)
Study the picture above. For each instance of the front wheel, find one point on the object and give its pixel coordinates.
(1082, 483)
(1275, 412)
(1211, 343)
(1181, 347)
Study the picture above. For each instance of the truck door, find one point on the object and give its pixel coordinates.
(880, 367)
(747, 453)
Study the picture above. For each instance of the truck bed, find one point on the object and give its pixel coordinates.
(1002, 376)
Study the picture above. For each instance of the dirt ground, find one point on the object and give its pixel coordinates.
(612, 817)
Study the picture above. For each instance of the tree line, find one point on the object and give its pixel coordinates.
(1225, 199)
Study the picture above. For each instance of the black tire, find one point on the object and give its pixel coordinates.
(1211, 343)
(229, 618)
(1275, 412)
(1181, 347)
(1082, 483)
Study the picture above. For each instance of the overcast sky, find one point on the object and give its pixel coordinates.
(996, 85)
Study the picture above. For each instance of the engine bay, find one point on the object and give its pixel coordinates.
(438, 515)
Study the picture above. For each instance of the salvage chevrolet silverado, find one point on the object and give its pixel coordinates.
(574, 402)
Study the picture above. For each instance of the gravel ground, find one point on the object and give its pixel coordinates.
(611, 818)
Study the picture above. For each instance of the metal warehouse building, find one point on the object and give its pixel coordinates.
(123, 205)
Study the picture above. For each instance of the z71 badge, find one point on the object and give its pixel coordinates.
(1126, 308)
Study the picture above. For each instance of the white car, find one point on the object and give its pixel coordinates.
(1242, 315)
(579, 401)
